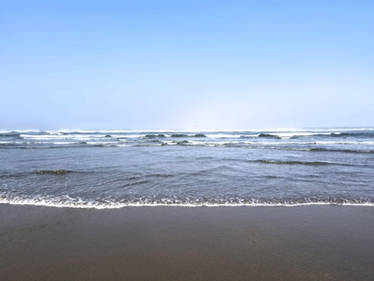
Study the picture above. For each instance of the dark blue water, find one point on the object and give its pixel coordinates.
(107, 169)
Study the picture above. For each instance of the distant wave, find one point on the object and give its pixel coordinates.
(188, 136)
(59, 172)
(353, 134)
(322, 149)
(258, 145)
(152, 136)
(357, 147)
(9, 144)
(290, 162)
(10, 135)
(56, 172)
(269, 136)
(353, 140)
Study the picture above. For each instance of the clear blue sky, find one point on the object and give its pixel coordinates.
(186, 64)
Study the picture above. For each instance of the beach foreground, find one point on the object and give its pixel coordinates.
(174, 243)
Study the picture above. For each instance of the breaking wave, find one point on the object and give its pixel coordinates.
(361, 139)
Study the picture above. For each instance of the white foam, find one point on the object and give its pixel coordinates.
(11, 142)
(128, 136)
(204, 143)
(345, 142)
(80, 204)
(58, 142)
(288, 135)
(77, 137)
(223, 136)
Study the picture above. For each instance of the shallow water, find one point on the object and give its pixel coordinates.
(108, 169)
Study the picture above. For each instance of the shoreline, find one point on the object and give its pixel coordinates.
(109, 206)
(173, 243)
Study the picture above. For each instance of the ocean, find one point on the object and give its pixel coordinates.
(118, 168)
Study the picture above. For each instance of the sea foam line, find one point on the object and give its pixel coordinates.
(117, 205)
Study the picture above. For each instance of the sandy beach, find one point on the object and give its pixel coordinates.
(171, 243)
(187, 141)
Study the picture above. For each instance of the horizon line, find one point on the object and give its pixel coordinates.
(191, 129)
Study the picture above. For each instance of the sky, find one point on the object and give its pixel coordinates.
(186, 64)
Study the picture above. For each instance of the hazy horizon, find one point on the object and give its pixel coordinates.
(192, 130)
(196, 65)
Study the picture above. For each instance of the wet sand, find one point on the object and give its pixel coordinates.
(171, 243)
